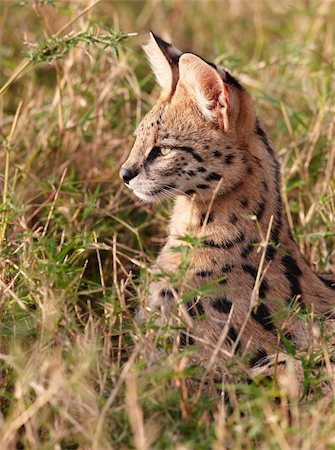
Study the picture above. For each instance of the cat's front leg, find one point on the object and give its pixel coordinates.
(162, 296)
(159, 304)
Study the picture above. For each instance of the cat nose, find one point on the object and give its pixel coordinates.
(128, 174)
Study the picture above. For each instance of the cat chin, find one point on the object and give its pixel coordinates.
(145, 197)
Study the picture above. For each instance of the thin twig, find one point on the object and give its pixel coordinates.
(54, 202)
(7, 164)
(26, 62)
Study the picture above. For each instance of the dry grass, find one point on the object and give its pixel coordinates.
(75, 370)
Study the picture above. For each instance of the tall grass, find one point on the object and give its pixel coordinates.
(76, 371)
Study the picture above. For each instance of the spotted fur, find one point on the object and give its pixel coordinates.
(204, 137)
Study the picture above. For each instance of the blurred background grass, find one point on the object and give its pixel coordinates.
(75, 246)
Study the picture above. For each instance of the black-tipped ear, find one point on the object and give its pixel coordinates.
(163, 58)
(171, 53)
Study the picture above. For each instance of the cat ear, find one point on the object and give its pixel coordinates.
(163, 59)
(207, 87)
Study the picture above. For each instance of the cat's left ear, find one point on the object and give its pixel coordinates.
(163, 59)
(207, 87)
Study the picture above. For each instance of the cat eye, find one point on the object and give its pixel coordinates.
(165, 151)
(155, 153)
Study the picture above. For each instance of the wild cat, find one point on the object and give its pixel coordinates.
(203, 144)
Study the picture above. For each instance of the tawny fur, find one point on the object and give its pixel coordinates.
(225, 180)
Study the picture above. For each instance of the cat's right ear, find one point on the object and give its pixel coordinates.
(163, 59)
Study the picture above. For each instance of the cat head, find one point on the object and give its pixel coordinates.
(194, 136)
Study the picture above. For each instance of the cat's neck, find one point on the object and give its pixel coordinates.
(249, 207)
(252, 215)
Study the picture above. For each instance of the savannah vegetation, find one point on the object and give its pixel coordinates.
(76, 371)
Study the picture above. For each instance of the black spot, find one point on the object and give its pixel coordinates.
(185, 339)
(240, 237)
(191, 173)
(204, 273)
(227, 268)
(271, 249)
(217, 154)
(257, 160)
(225, 244)
(249, 247)
(275, 231)
(202, 186)
(213, 176)
(211, 243)
(244, 201)
(209, 218)
(259, 210)
(263, 288)
(249, 170)
(290, 338)
(189, 192)
(265, 186)
(233, 336)
(292, 273)
(222, 304)
(194, 308)
(201, 169)
(228, 147)
(262, 315)
(168, 173)
(252, 270)
(259, 358)
(166, 293)
(157, 122)
(328, 283)
(192, 152)
(233, 219)
(228, 159)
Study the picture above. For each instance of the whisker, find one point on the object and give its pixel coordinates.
(167, 195)
(178, 191)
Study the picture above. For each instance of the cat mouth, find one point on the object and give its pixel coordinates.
(155, 194)
(146, 197)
